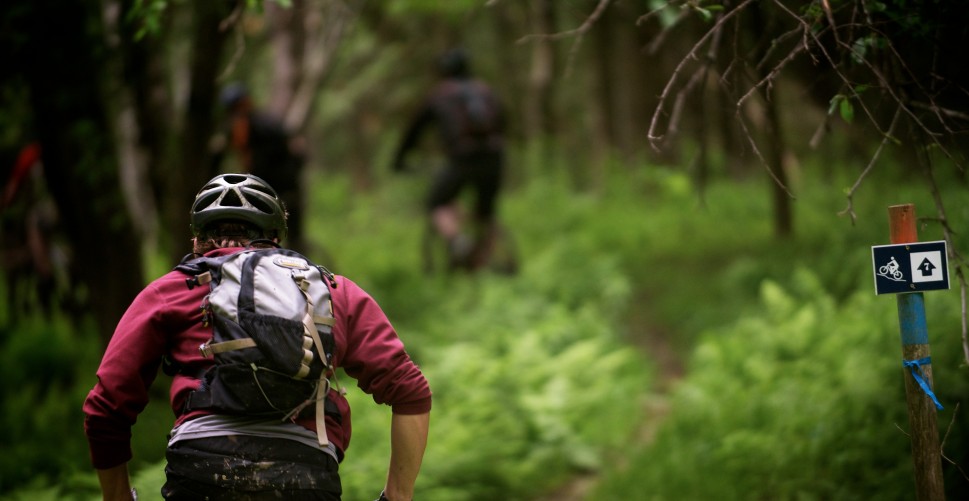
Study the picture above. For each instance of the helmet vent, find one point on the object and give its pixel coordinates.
(204, 201)
(262, 189)
(231, 199)
(261, 205)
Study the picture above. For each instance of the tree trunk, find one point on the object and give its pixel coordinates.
(602, 104)
(776, 154)
(81, 166)
(193, 166)
(537, 105)
(776, 145)
(619, 21)
(322, 26)
(286, 39)
(144, 125)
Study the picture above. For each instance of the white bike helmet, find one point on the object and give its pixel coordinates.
(239, 197)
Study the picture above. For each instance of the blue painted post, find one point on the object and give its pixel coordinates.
(917, 371)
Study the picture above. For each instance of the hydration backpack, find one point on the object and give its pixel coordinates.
(479, 109)
(469, 112)
(272, 336)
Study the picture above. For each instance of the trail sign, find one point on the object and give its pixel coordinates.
(912, 267)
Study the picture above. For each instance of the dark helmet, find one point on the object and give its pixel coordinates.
(232, 94)
(239, 197)
(454, 63)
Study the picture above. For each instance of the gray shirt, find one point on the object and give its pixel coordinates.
(221, 425)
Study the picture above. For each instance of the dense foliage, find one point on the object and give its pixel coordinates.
(530, 378)
(793, 387)
(800, 399)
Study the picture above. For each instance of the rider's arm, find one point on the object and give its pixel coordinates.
(408, 439)
(128, 367)
(115, 485)
(131, 361)
(374, 355)
(370, 351)
(423, 118)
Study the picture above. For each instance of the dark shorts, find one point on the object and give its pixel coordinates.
(482, 172)
(244, 468)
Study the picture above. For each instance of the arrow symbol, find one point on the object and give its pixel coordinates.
(927, 267)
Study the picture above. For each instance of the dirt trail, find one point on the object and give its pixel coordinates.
(654, 342)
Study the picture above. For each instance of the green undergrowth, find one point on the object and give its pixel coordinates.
(42, 361)
(531, 381)
(794, 378)
(802, 398)
(793, 386)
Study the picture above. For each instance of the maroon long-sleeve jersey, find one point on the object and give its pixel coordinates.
(165, 320)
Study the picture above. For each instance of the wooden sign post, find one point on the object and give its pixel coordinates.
(917, 366)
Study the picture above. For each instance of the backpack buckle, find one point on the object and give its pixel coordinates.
(197, 280)
(205, 351)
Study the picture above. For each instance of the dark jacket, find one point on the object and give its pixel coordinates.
(447, 106)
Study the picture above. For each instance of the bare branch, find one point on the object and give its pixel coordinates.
(954, 256)
(965, 313)
(903, 105)
(850, 209)
(232, 22)
(579, 33)
(942, 114)
(690, 56)
(820, 132)
(763, 161)
(769, 78)
(647, 16)
(835, 66)
(827, 12)
(776, 45)
(698, 77)
(660, 39)
(697, 80)
(945, 437)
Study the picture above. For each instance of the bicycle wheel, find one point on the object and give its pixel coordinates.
(503, 257)
(434, 256)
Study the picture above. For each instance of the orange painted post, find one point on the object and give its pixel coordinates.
(922, 419)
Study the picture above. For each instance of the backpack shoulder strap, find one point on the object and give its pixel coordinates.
(202, 270)
(197, 269)
(310, 321)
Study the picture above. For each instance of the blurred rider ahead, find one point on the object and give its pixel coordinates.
(471, 124)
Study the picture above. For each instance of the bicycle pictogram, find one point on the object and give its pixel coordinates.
(891, 271)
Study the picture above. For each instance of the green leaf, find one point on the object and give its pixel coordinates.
(847, 110)
(835, 101)
(859, 49)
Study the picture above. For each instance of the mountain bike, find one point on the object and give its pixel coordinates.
(470, 252)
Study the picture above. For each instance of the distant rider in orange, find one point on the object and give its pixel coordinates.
(266, 149)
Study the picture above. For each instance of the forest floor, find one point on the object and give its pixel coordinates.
(655, 342)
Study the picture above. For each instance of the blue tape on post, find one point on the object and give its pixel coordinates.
(911, 319)
(916, 368)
